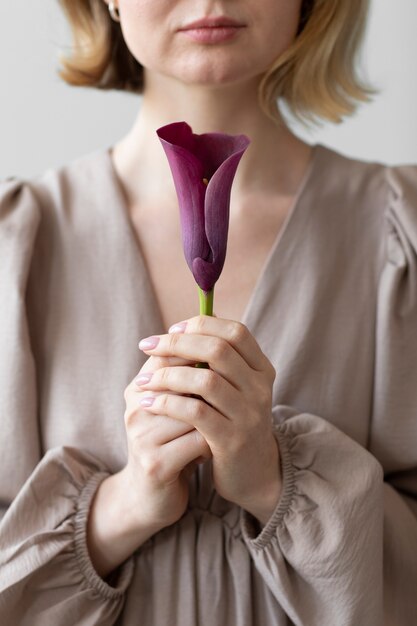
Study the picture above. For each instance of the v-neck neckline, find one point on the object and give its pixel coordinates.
(254, 304)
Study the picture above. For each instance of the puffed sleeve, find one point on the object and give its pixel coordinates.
(46, 576)
(341, 546)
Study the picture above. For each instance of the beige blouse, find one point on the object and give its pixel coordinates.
(334, 309)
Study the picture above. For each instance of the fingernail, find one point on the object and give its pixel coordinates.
(149, 343)
(143, 379)
(147, 401)
(178, 328)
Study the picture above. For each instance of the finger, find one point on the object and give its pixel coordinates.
(177, 454)
(133, 394)
(217, 352)
(160, 429)
(234, 332)
(196, 414)
(155, 362)
(214, 389)
(133, 414)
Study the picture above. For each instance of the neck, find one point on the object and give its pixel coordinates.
(274, 162)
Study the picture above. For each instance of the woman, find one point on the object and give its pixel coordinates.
(287, 493)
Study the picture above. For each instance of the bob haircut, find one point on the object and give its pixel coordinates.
(316, 76)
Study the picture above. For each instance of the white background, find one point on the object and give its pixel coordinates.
(45, 123)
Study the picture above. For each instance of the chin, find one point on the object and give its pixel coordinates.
(209, 81)
(215, 74)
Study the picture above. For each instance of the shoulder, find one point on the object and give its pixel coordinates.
(402, 210)
(55, 189)
(389, 182)
(384, 195)
(389, 193)
(37, 212)
(19, 215)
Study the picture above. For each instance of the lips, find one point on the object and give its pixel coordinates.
(212, 30)
(213, 22)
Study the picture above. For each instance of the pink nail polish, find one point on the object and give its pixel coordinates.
(147, 401)
(178, 328)
(143, 379)
(149, 343)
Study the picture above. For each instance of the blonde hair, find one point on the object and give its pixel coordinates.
(316, 76)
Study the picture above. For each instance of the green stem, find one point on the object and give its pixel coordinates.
(206, 301)
(206, 308)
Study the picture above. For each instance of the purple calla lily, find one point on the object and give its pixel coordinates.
(203, 168)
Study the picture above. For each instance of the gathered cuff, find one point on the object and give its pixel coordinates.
(124, 573)
(248, 524)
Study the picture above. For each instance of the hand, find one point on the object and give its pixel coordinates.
(233, 411)
(162, 454)
(151, 491)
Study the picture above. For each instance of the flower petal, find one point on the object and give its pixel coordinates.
(212, 149)
(217, 206)
(178, 134)
(204, 211)
(187, 172)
